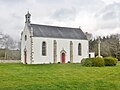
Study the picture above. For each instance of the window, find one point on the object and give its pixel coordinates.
(44, 48)
(79, 49)
(25, 37)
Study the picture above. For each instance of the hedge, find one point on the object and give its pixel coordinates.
(87, 62)
(98, 61)
(110, 61)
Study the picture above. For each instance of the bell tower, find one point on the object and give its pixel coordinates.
(27, 17)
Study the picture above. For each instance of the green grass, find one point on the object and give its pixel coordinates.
(58, 77)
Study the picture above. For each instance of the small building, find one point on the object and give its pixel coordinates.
(91, 54)
(41, 44)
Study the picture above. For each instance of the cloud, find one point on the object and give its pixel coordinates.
(50, 1)
(77, 13)
(111, 1)
(87, 5)
(75, 7)
(108, 17)
(65, 14)
(12, 2)
(92, 15)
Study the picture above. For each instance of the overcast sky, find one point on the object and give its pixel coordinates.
(99, 17)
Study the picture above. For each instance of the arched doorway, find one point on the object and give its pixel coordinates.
(25, 56)
(63, 57)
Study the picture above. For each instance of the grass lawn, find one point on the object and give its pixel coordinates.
(58, 77)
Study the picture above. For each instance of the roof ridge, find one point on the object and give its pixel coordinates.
(55, 26)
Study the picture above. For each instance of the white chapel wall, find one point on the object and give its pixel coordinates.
(62, 44)
(37, 51)
(26, 44)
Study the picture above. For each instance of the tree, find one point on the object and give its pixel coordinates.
(7, 42)
(109, 45)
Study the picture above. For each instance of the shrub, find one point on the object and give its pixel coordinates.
(110, 61)
(118, 55)
(87, 62)
(83, 61)
(98, 61)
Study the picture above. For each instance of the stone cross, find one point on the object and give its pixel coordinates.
(99, 47)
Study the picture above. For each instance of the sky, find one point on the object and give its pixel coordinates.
(99, 17)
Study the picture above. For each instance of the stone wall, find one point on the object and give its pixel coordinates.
(9, 54)
(10, 61)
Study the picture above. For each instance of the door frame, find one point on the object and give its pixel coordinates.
(25, 56)
(61, 56)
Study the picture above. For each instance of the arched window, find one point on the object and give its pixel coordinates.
(25, 37)
(79, 49)
(44, 48)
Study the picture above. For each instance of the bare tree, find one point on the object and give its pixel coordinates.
(7, 42)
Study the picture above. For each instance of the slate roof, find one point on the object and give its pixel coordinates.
(57, 32)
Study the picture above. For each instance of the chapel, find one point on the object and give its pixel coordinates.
(45, 44)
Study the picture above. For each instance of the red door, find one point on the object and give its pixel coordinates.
(25, 57)
(63, 57)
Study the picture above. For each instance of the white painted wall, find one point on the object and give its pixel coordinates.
(61, 44)
(26, 44)
(37, 50)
